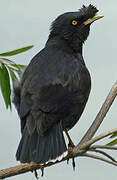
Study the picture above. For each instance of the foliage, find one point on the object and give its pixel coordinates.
(113, 142)
(10, 72)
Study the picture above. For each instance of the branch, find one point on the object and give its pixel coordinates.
(103, 153)
(81, 148)
(100, 116)
(23, 168)
(92, 141)
(99, 158)
(103, 147)
(76, 151)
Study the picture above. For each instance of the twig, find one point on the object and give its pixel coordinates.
(103, 153)
(103, 147)
(100, 116)
(9, 65)
(99, 158)
(85, 145)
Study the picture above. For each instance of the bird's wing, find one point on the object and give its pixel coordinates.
(49, 89)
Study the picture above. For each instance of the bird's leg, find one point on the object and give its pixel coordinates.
(70, 146)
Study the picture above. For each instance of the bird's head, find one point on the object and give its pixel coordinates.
(74, 27)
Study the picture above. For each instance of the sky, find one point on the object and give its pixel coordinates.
(26, 23)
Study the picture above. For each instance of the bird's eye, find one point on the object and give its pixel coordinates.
(74, 22)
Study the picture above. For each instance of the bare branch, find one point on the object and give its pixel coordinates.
(103, 147)
(103, 153)
(100, 116)
(23, 168)
(99, 158)
(85, 145)
(76, 151)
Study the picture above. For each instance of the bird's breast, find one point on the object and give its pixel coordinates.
(79, 80)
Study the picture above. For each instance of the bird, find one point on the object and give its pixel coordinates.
(54, 89)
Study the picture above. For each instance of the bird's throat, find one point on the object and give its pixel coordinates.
(76, 46)
(66, 45)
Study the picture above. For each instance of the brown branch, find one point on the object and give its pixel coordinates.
(99, 158)
(80, 149)
(86, 145)
(100, 116)
(23, 168)
(103, 147)
(103, 153)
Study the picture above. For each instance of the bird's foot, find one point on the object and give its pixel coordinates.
(42, 169)
(41, 166)
(36, 174)
(70, 149)
(73, 163)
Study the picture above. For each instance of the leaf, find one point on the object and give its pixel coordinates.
(114, 135)
(13, 76)
(8, 63)
(17, 51)
(112, 143)
(19, 66)
(5, 85)
(7, 60)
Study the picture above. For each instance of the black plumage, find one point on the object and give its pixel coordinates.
(54, 88)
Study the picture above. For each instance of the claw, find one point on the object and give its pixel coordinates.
(68, 161)
(41, 166)
(42, 170)
(73, 163)
(73, 159)
(36, 174)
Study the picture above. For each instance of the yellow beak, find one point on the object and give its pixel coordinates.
(96, 17)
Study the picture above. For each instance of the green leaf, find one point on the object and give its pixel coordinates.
(13, 76)
(6, 60)
(112, 143)
(5, 85)
(17, 51)
(114, 135)
(19, 66)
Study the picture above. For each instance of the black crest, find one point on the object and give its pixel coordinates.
(88, 11)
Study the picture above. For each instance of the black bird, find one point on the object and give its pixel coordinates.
(54, 88)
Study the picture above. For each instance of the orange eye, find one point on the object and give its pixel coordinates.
(74, 22)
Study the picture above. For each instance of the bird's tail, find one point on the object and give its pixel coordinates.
(42, 149)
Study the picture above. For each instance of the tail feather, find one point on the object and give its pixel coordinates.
(42, 149)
